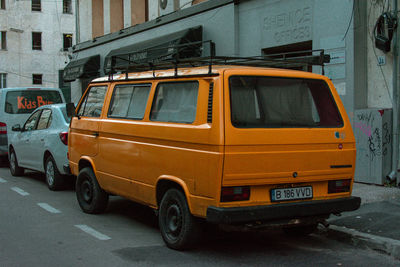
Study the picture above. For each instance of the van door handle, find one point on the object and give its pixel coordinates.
(95, 134)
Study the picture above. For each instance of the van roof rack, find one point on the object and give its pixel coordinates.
(180, 56)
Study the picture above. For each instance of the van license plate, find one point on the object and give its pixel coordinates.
(282, 194)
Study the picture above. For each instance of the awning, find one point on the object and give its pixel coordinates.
(155, 49)
(82, 68)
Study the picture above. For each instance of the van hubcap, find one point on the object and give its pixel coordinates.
(87, 192)
(50, 173)
(173, 221)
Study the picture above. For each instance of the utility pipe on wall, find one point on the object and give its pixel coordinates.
(77, 29)
(395, 133)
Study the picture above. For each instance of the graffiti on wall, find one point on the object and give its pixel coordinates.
(379, 139)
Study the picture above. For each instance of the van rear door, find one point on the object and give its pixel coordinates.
(284, 131)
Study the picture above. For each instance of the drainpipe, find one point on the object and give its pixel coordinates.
(395, 134)
(77, 22)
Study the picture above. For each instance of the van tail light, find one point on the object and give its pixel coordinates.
(339, 186)
(64, 138)
(3, 128)
(235, 193)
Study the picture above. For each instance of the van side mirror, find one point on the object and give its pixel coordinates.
(70, 109)
(16, 128)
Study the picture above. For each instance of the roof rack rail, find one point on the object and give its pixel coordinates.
(196, 54)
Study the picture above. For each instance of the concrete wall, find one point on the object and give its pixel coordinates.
(153, 10)
(271, 23)
(214, 22)
(19, 61)
(380, 86)
(373, 130)
(85, 21)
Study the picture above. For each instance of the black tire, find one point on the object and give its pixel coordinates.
(91, 198)
(14, 168)
(179, 229)
(302, 230)
(55, 181)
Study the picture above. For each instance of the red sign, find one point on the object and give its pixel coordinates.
(24, 103)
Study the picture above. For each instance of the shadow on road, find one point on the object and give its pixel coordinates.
(134, 211)
(238, 248)
(215, 246)
(4, 162)
(40, 178)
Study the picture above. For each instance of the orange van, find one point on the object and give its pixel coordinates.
(228, 145)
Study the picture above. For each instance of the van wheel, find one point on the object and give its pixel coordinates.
(179, 229)
(91, 198)
(302, 230)
(14, 168)
(54, 180)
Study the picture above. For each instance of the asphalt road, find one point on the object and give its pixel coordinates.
(39, 227)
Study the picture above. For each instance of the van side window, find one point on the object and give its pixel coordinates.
(175, 102)
(129, 101)
(45, 120)
(271, 102)
(93, 102)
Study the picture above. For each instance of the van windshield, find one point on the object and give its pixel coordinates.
(25, 101)
(277, 102)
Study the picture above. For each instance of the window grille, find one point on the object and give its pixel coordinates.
(36, 5)
(3, 40)
(3, 80)
(37, 78)
(67, 7)
(67, 37)
(36, 40)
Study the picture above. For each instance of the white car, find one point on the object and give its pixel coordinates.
(41, 145)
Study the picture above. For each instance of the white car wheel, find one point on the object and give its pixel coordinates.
(54, 180)
(14, 168)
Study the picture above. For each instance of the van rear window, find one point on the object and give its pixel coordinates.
(277, 102)
(25, 101)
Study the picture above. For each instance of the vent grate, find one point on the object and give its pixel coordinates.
(210, 103)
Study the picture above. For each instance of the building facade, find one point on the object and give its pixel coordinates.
(364, 72)
(35, 38)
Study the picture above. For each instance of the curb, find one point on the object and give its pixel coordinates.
(382, 244)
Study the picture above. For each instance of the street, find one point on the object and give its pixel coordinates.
(39, 227)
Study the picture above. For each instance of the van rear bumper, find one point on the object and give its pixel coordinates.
(240, 215)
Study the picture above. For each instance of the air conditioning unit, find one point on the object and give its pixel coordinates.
(167, 6)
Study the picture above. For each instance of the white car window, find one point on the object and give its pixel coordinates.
(45, 120)
(31, 122)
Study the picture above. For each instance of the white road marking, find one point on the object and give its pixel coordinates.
(92, 232)
(48, 208)
(20, 191)
(2, 180)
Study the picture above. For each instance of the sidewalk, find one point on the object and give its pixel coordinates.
(376, 225)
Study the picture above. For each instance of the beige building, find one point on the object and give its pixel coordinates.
(100, 17)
